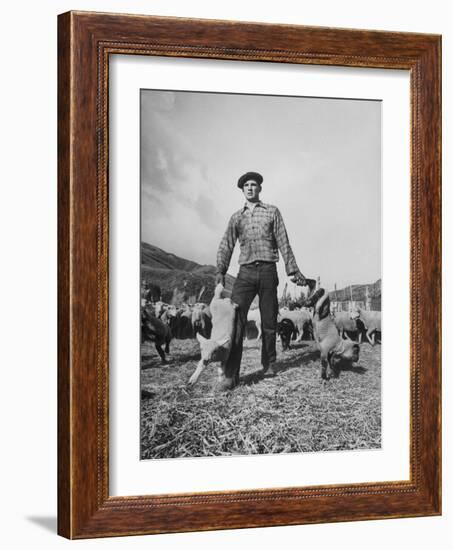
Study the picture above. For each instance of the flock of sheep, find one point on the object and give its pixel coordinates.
(333, 332)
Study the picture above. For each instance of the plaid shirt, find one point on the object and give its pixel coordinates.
(261, 234)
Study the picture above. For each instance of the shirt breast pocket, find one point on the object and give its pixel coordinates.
(241, 228)
(267, 229)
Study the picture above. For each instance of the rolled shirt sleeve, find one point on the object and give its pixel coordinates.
(281, 238)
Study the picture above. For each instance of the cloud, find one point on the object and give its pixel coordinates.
(207, 212)
(170, 171)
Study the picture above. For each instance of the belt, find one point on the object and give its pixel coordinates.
(257, 263)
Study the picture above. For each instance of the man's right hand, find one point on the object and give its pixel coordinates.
(220, 279)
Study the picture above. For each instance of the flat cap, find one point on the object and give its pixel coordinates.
(250, 176)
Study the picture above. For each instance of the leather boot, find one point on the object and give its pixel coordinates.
(269, 370)
(226, 384)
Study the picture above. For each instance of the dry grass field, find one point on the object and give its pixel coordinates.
(293, 412)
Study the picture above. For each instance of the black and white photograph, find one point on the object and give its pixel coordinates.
(207, 207)
(260, 274)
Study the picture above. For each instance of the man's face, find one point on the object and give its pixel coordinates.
(251, 190)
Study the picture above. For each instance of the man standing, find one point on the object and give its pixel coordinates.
(261, 233)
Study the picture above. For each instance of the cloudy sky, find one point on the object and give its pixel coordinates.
(321, 163)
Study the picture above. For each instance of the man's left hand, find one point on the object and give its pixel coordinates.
(298, 278)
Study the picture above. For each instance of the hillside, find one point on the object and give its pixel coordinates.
(157, 258)
(179, 278)
(359, 293)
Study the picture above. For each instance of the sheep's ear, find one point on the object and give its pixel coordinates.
(223, 341)
(324, 309)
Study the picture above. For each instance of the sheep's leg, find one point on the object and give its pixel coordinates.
(368, 333)
(325, 373)
(333, 362)
(258, 326)
(345, 336)
(221, 372)
(359, 338)
(285, 343)
(330, 371)
(160, 351)
(196, 375)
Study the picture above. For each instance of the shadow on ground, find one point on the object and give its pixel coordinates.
(153, 362)
(347, 367)
(281, 366)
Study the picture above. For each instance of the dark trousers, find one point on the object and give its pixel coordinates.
(255, 278)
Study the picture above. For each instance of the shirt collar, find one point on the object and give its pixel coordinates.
(259, 203)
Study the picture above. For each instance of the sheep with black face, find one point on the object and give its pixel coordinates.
(333, 348)
(285, 329)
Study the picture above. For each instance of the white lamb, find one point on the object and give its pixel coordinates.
(217, 348)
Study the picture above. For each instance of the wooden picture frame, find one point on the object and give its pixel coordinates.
(85, 42)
